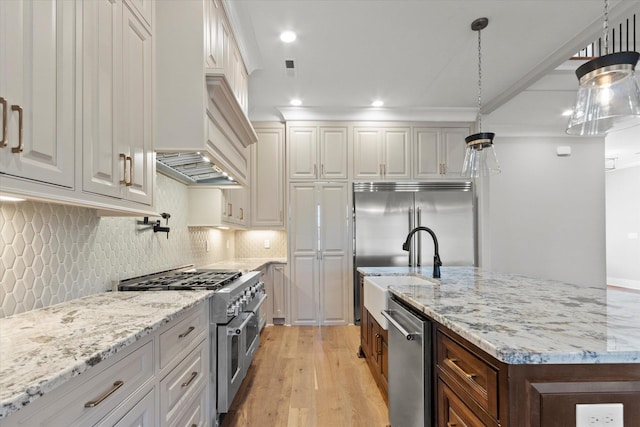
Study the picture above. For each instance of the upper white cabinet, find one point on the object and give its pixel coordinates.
(77, 81)
(37, 91)
(267, 178)
(439, 152)
(117, 131)
(202, 86)
(235, 207)
(381, 153)
(317, 151)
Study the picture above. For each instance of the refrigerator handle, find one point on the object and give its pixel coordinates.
(411, 227)
(418, 240)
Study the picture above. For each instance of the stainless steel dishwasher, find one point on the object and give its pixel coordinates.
(410, 400)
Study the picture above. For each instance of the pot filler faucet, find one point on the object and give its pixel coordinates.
(436, 257)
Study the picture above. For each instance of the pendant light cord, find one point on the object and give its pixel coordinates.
(480, 81)
(605, 36)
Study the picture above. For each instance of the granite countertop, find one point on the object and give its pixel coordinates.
(42, 349)
(522, 320)
(245, 264)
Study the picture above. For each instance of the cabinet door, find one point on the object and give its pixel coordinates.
(453, 150)
(267, 179)
(37, 75)
(103, 167)
(333, 153)
(143, 414)
(367, 153)
(396, 152)
(279, 300)
(334, 262)
(452, 410)
(303, 232)
(212, 40)
(427, 153)
(137, 126)
(302, 153)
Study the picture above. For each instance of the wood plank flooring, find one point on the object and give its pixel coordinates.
(308, 376)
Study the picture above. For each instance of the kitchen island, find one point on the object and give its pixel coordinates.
(514, 350)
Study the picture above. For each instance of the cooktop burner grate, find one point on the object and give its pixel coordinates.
(183, 280)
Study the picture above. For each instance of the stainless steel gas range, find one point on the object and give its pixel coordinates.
(234, 325)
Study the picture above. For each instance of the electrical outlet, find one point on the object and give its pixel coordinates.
(600, 415)
(267, 244)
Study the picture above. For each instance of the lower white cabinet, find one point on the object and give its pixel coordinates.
(319, 245)
(274, 278)
(123, 390)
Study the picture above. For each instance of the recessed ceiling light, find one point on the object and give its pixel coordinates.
(288, 36)
(296, 102)
(567, 113)
(377, 103)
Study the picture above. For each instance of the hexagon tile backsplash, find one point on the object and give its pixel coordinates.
(54, 253)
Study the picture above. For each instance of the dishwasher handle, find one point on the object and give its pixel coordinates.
(410, 336)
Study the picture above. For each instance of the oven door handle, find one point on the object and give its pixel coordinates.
(243, 325)
(257, 307)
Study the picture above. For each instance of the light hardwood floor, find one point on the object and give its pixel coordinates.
(308, 376)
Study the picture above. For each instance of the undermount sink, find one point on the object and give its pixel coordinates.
(376, 293)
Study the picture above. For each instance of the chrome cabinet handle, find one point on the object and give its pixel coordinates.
(184, 334)
(3, 143)
(96, 402)
(194, 374)
(241, 213)
(315, 169)
(230, 209)
(20, 146)
(410, 336)
(322, 169)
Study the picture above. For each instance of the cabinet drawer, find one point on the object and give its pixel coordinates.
(187, 378)
(472, 374)
(106, 389)
(452, 412)
(180, 338)
(195, 414)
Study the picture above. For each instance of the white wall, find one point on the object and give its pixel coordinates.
(546, 214)
(623, 227)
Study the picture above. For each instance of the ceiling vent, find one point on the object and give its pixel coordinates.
(289, 68)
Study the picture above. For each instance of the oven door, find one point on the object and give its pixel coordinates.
(231, 358)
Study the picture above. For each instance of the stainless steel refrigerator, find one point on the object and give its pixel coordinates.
(385, 212)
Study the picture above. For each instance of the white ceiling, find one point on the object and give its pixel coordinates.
(420, 57)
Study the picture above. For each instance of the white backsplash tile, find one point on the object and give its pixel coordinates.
(52, 253)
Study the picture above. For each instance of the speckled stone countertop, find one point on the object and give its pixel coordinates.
(42, 349)
(245, 264)
(522, 320)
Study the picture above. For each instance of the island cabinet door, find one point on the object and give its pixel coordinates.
(547, 395)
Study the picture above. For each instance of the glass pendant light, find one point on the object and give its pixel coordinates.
(480, 158)
(608, 94)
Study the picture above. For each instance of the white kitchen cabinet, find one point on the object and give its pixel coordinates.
(439, 152)
(235, 207)
(317, 151)
(274, 278)
(117, 102)
(267, 177)
(152, 379)
(318, 249)
(279, 294)
(37, 87)
(381, 153)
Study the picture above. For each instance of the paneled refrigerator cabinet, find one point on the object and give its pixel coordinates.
(319, 222)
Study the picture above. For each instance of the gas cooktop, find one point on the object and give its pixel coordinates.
(181, 280)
